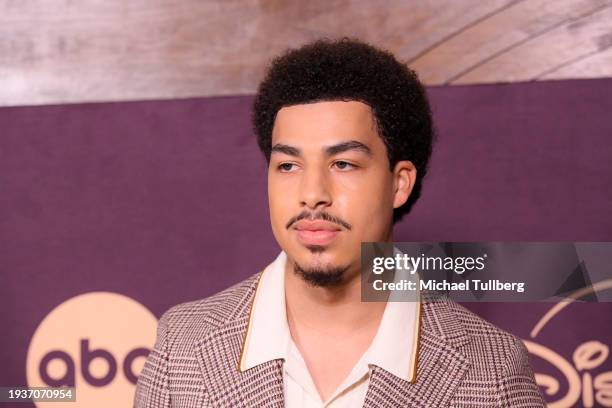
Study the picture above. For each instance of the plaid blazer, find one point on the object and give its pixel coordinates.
(463, 361)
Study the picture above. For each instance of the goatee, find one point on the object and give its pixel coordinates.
(321, 277)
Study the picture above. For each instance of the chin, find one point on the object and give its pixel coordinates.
(319, 267)
(321, 275)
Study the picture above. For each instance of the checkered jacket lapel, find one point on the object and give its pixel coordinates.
(228, 387)
(440, 367)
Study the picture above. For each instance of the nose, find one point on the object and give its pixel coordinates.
(315, 189)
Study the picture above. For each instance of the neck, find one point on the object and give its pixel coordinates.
(337, 309)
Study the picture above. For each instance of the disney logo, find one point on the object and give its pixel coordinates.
(587, 356)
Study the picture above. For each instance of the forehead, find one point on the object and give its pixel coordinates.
(322, 123)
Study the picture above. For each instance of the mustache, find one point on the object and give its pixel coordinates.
(321, 215)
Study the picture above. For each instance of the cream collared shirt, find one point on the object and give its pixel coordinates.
(393, 349)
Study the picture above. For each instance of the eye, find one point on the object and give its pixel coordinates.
(285, 167)
(344, 165)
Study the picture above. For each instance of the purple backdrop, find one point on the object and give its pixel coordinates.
(165, 201)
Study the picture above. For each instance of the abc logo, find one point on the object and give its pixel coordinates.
(96, 342)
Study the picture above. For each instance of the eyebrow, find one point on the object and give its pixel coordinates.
(329, 150)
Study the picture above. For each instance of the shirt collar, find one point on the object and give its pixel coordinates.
(267, 336)
(394, 348)
(395, 345)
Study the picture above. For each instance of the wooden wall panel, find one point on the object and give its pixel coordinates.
(595, 65)
(64, 51)
(517, 24)
(542, 54)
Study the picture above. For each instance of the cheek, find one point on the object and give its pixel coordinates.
(279, 204)
(368, 201)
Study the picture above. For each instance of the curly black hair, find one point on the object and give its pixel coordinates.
(349, 69)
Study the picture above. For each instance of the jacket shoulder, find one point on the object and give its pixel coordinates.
(194, 318)
(481, 330)
(501, 358)
(489, 345)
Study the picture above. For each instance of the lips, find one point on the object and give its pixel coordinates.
(316, 232)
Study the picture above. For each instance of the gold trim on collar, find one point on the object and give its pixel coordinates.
(417, 334)
(247, 332)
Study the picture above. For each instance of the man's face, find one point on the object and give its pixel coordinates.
(330, 186)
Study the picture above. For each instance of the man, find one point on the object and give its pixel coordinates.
(347, 134)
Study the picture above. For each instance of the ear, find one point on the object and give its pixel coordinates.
(404, 178)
